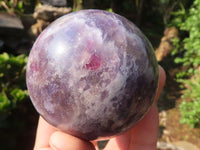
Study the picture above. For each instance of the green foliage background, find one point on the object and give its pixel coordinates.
(187, 53)
(13, 94)
(12, 79)
(13, 6)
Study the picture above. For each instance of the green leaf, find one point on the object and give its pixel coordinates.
(19, 94)
(3, 57)
(12, 79)
(4, 102)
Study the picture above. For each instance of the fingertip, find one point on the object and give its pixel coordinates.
(63, 141)
(162, 79)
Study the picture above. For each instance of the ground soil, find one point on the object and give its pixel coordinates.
(169, 101)
(178, 131)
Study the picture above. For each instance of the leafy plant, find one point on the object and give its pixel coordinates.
(190, 107)
(14, 6)
(13, 95)
(187, 53)
(12, 82)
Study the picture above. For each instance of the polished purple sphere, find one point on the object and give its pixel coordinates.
(92, 74)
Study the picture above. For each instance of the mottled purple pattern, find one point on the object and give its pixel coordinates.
(92, 74)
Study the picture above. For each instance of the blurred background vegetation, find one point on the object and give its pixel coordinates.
(181, 94)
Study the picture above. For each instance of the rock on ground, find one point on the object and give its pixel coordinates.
(50, 13)
(10, 25)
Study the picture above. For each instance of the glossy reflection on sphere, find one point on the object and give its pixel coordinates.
(92, 74)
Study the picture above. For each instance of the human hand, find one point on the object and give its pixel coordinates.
(142, 137)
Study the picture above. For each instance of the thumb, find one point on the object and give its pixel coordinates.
(62, 141)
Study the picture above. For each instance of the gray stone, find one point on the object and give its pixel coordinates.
(10, 25)
(50, 13)
(58, 3)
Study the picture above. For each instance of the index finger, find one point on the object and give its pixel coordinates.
(44, 132)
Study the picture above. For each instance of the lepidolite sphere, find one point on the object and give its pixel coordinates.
(92, 74)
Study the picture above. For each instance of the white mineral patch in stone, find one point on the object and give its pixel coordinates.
(48, 106)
